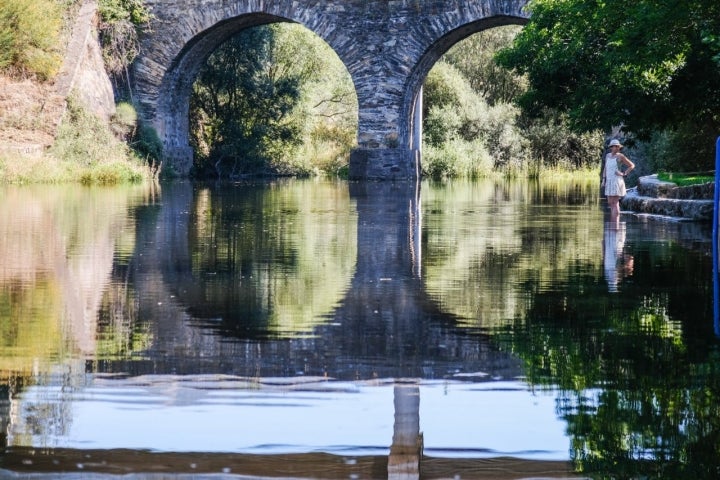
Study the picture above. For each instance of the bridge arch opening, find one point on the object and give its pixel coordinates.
(414, 107)
(327, 102)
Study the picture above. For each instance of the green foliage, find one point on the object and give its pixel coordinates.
(457, 158)
(134, 11)
(147, 144)
(120, 24)
(240, 108)
(474, 57)
(681, 149)
(30, 37)
(88, 145)
(142, 138)
(683, 180)
(271, 101)
(468, 98)
(643, 65)
(554, 145)
(327, 146)
(124, 121)
(456, 113)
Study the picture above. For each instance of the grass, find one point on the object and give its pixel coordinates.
(85, 151)
(685, 179)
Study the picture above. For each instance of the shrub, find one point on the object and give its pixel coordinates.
(124, 121)
(455, 112)
(147, 144)
(86, 143)
(688, 148)
(328, 147)
(452, 109)
(457, 158)
(553, 145)
(30, 37)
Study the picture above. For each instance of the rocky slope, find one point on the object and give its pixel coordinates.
(30, 111)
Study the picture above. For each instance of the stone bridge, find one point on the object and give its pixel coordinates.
(388, 47)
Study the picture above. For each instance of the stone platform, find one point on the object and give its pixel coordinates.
(666, 199)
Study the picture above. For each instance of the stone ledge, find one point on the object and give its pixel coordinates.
(650, 186)
(655, 197)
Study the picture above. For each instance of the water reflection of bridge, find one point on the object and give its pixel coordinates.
(386, 326)
(385, 313)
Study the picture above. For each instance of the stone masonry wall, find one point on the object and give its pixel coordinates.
(388, 47)
(83, 71)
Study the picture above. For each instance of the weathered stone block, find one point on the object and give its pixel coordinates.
(384, 164)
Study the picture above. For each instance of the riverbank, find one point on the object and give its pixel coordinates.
(64, 129)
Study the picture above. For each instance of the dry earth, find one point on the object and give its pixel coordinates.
(30, 113)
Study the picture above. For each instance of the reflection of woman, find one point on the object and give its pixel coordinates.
(616, 264)
(613, 178)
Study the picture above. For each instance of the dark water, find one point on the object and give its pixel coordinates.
(315, 329)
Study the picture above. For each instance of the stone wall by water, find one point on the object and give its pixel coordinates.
(655, 197)
(83, 71)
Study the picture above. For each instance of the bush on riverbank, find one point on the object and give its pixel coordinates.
(85, 151)
(83, 148)
(30, 37)
(469, 133)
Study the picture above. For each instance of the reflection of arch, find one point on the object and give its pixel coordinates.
(385, 306)
(249, 293)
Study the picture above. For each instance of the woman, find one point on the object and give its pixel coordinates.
(613, 178)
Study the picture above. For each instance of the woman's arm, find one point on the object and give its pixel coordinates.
(626, 161)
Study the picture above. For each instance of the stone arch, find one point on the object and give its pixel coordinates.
(166, 70)
(408, 129)
(387, 46)
(172, 116)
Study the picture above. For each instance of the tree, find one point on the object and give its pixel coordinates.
(241, 106)
(475, 58)
(643, 65)
(274, 99)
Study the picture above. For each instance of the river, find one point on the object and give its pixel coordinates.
(331, 329)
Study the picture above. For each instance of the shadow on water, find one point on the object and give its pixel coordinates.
(272, 330)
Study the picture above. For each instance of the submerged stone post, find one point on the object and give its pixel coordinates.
(406, 449)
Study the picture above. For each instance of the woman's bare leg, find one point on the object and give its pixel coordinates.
(614, 203)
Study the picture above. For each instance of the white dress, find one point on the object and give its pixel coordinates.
(614, 242)
(614, 184)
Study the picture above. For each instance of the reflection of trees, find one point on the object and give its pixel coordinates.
(486, 269)
(57, 246)
(56, 251)
(641, 396)
(269, 259)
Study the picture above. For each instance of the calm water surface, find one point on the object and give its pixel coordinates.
(316, 329)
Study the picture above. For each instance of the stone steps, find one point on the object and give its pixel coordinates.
(656, 197)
